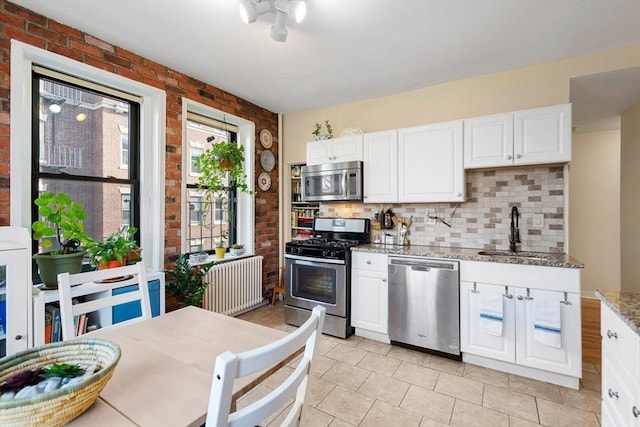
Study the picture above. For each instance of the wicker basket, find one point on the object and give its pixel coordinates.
(58, 407)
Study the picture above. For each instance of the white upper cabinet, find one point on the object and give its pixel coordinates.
(381, 167)
(527, 137)
(488, 141)
(343, 149)
(542, 135)
(430, 163)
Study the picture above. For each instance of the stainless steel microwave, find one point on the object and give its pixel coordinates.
(332, 182)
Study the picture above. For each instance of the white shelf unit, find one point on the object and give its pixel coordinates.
(104, 317)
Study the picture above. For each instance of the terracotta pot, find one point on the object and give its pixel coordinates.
(111, 264)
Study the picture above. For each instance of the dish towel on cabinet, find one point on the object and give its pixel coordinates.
(491, 313)
(547, 327)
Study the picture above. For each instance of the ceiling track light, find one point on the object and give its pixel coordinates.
(294, 9)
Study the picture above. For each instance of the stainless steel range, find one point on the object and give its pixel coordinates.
(318, 272)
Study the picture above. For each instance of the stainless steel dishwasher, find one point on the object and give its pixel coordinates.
(424, 308)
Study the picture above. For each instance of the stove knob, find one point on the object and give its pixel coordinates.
(326, 253)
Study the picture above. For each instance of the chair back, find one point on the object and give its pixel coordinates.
(93, 291)
(230, 366)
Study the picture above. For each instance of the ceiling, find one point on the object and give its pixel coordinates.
(350, 50)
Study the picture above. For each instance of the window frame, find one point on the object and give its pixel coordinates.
(152, 141)
(245, 204)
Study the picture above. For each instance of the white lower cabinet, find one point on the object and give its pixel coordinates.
(519, 343)
(369, 295)
(620, 371)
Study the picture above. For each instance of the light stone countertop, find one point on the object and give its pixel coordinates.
(625, 304)
(470, 254)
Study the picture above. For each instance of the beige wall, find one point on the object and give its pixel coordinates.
(540, 85)
(630, 199)
(594, 209)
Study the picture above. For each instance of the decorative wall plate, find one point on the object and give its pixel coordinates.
(264, 181)
(266, 139)
(267, 160)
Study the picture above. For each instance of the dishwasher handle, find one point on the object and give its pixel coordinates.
(424, 264)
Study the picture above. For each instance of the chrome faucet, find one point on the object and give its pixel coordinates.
(514, 235)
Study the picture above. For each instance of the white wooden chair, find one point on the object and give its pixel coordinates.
(97, 289)
(230, 366)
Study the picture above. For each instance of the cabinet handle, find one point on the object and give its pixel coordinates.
(369, 262)
(509, 157)
(635, 411)
(520, 297)
(384, 280)
(459, 194)
(18, 337)
(613, 394)
(612, 334)
(518, 156)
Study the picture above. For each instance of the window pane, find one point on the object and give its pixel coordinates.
(98, 200)
(82, 132)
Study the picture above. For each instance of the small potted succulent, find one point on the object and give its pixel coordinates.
(237, 249)
(61, 222)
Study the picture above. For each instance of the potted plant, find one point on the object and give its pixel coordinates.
(114, 250)
(221, 249)
(317, 128)
(237, 249)
(186, 283)
(221, 170)
(60, 221)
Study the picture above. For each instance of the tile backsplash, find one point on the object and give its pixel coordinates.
(483, 221)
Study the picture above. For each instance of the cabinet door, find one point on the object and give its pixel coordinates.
(319, 152)
(542, 135)
(430, 165)
(347, 148)
(14, 300)
(369, 300)
(531, 351)
(488, 141)
(474, 336)
(381, 167)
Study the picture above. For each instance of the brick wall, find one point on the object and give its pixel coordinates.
(37, 30)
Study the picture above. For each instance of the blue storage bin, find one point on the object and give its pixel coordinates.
(127, 311)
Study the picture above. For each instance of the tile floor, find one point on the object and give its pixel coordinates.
(360, 382)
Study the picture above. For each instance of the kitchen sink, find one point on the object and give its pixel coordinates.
(520, 255)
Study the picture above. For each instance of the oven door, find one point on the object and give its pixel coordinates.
(313, 281)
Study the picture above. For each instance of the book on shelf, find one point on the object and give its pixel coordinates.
(48, 321)
(56, 323)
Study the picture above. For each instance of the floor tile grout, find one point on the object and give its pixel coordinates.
(349, 354)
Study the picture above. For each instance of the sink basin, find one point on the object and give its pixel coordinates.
(517, 255)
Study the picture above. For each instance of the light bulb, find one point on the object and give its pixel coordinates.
(55, 108)
(299, 11)
(81, 117)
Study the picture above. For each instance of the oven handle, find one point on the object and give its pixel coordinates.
(314, 261)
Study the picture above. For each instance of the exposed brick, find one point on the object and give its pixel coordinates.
(99, 43)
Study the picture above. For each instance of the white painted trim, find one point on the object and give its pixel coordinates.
(152, 138)
(376, 336)
(523, 371)
(246, 203)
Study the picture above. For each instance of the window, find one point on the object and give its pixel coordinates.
(150, 179)
(195, 156)
(195, 210)
(78, 149)
(126, 209)
(124, 150)
(233, 215)
(203, 132)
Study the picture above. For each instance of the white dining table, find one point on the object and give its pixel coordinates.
(165, 371)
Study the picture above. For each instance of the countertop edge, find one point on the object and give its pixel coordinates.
(625, 304)
(467, 254)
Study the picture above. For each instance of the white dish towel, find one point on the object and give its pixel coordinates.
(491, 313)
(547, 322)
